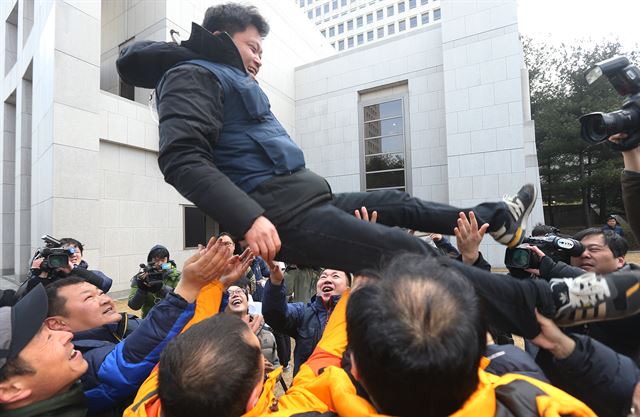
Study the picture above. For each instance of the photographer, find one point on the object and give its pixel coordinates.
(156, 279)
(69, 252)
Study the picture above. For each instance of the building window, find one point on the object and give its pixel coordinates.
(390, 10)
(380, 33)
(341, 45)
(318, 10)
(350, 42)
(369, 36)
(350, 24)
(425, 18)
(359, 21)
(370, 18)
(402, 26)
(384, 146)
(334, 4)
(412, 4)
(391, 29)
(380, 14)
(401, 7)
(325, 8)
(301, 3)
(332, 31)
(343, 3)
(197, 227)
(310, 14)
(436, 14)
(423, 2)
(413, 21)
(360, 38)
(340, 28)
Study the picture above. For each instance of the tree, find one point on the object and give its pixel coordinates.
(572, 170)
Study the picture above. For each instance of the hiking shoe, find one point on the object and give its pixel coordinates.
(590, 298)
(519, 207)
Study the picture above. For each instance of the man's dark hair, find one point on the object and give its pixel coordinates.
(57, 303)
(233, 18)
(72, 241)
(614, 241)
(544, 229)
(209, 370)
(417, 337)
(15, 367)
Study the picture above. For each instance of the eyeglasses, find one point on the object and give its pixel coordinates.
(234, 292)
(228, 243)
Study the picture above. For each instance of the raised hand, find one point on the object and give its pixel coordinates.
(363, 214)
(263, 239)
(469, 237)
(201, 268)
(237, 267)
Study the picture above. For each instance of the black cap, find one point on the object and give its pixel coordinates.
(20, 323)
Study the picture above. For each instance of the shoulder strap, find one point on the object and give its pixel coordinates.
(121, 329)
(517, 399)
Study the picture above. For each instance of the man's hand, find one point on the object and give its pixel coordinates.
(540, 255)
(201, 268)
(237, 267)
(268, 366)
(469, 237)
(363, 214)
(552, 339)
(263, 239)
(276, 277)
(631, 157)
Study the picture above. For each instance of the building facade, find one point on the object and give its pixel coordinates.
(440, 111)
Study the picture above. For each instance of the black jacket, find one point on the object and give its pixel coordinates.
(595, 374)
(190, 110)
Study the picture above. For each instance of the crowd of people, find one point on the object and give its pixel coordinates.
(386, 321)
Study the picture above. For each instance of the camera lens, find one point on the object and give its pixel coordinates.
(520, 258)
(57, 261)
(597, 127)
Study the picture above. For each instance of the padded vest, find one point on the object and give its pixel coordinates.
(252, 146)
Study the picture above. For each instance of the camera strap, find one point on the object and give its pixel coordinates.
(121, 328)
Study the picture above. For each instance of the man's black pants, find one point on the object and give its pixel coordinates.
(329, 235)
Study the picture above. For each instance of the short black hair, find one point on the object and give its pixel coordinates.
(618, 245)
(15, 367)
(417, 337)
(72, 241)
(544, 229)
(233, 18)
(209, 370)
(57, 303)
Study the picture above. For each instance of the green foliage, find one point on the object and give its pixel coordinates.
(572, 170)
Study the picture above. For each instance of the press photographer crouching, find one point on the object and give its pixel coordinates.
(58, 259)
(156, 278)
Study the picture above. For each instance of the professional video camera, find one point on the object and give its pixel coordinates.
(597, 127)
(54, 256)
(152, 277)
(557, 247)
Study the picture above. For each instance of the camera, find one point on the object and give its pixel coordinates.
(597, 127)
(153, 275)
(557, 247)
(54, 256)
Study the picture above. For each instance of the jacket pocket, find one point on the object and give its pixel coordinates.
(254, 99)
(278, 146)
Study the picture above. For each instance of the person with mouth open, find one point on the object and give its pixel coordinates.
(305, 322)
(120, 359)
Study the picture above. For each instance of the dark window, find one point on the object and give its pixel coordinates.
(380, 14)
(401, 7)
(412, 4)
(384, 145)
(425, 18)
(436, 14)
(350, 25)
(390, 10)
(301, 3)
(370, 18)
(359, 21)
(343, 3)
(332, 31)
(340, 28)
(413, 21)
(318, 10)
(325, 8)
(350, 42)
(402, 25)
(334, 4)
(310, 14)
(360, 38)
(380, 33)
(198, 227)
(391, 29)
(340, 45)
(370, 35)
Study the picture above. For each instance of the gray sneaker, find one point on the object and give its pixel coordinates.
(519, 207)
(590, 298)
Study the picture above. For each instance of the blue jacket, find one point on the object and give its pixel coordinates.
(304, 322)
(116, 371)
(595, 374)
